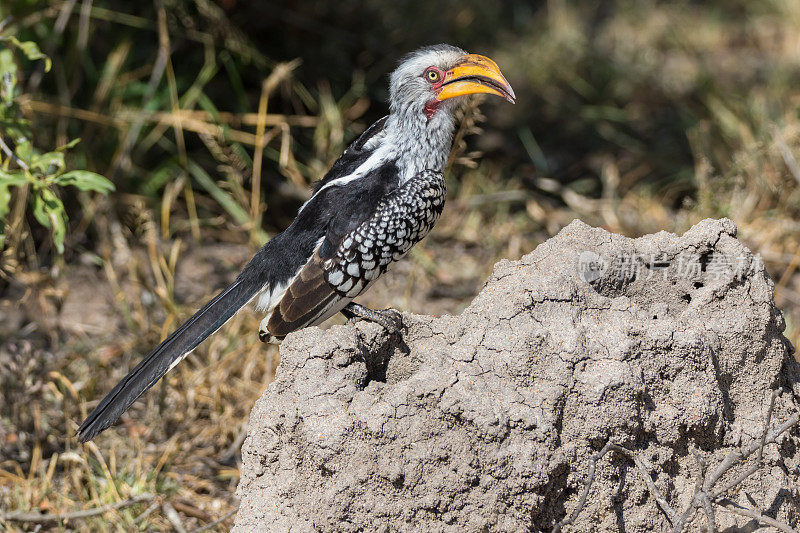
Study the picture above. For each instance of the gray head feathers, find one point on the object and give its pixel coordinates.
(407, 88)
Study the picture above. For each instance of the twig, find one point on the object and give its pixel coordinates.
(651, 486)
(64, 517)
(736, 482)
(640, 465)
(709, 509)
(589, 480)
(702, 495)
(751, 513)
(216, 522)
(12, 155)
(147, 512)
(737, 456)
(696, 495)
(190, 510)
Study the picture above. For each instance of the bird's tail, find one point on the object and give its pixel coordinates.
(166, 355)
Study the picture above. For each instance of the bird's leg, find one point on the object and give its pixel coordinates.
(390, 319)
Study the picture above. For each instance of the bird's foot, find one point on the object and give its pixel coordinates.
(391, 319)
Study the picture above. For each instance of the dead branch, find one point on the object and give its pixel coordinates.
(695, 501)
(709, 509)
(704, 496)
(77, 515)
(705, 501)
(589, 480)
(737, 456)
(644, 469)
(751, 513)
(773, 436)
(705, 484)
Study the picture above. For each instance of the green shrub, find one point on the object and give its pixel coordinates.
(34, 174)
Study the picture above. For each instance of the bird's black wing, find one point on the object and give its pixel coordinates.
(356, 252)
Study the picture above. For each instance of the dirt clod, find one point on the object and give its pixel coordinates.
(665, 345)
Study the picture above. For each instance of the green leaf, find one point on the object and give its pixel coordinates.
(85, 181)
(8, 76)
(69, 145)
(12, 178)
(5, 201)
(40, 208)
(7, 179)
(59, 229)
(49, 212)
(31, 51)
(24, 150)
(43, 162)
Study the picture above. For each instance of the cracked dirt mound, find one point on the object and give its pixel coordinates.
(487, 420)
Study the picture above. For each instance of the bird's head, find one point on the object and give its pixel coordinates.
(431, 80)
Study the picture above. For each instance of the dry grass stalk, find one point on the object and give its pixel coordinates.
(65, 518)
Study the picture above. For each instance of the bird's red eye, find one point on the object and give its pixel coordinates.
(433, 75)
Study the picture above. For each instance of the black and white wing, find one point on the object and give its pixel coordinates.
(354, 253)
(403, 219)
(270, 270)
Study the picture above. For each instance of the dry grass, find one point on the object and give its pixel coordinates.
(639, 120)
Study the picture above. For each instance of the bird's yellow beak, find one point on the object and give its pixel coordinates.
(475, 74)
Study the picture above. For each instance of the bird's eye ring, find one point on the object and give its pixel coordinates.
(432, 75)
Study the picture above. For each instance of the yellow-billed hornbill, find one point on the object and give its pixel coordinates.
(382, 196)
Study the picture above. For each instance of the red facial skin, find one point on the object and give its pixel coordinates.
(433, 105)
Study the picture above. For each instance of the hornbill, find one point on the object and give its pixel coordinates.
(382, 196)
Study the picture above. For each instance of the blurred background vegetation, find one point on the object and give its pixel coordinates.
(210, 119)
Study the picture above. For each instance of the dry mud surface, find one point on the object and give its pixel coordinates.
(665, 345)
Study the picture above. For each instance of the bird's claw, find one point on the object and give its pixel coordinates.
(390, 319)
(394, 318)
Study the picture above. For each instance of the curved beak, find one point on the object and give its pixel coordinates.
(475, 74)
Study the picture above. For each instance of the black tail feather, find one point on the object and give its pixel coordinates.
(158, 362)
